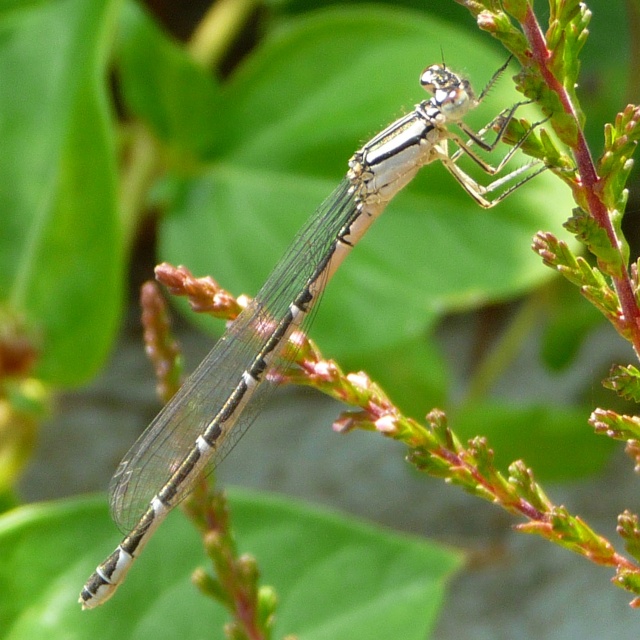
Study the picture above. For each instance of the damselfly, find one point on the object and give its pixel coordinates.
(221, 398)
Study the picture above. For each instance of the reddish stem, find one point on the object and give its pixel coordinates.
(588, 180)
(209, 514)
(521, 506)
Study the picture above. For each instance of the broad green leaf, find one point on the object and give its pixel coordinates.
(442, 10)
(290, 127)
(571, 321)
(163, 85)
(61, 258)
(335, 577)
(555, 441)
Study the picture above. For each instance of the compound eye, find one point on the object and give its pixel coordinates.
(432, 77)
(452, 95)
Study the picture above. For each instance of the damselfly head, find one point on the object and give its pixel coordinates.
(452, 95)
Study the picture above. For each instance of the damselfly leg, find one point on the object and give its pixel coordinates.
(477, 190)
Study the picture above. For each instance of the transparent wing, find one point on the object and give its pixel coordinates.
(171, 436)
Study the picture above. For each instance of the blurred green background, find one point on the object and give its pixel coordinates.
(119, 151)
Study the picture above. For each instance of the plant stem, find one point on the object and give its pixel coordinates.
(136, 177)
(218, 28)
(502, 354)
(586, 189)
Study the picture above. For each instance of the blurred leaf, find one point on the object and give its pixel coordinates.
(24, 403)
(607, 69)
(572, 319)
(288, 134)
(8, 500)
(61, 258)
(162, 85)
(389, 585)
(556, 442)
(441, 10)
